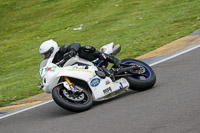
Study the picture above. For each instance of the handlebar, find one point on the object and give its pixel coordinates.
(61, 63)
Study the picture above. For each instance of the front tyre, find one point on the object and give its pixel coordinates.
(76, 102)
(145, 78)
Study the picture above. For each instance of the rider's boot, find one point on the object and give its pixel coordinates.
(112, 59)
(112, 74)
(115, 61)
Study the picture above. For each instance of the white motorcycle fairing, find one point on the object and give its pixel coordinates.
(101, 88)
(105, 88)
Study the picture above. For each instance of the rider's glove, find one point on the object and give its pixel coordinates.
(69, 54)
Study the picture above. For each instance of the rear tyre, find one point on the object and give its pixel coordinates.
(76, 102)
(144, 80)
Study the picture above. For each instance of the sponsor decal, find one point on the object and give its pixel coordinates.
(41, 71)
(121, 86)
(46, 69)
(80, 70)
(107, 90)
(51, 69)
(107, 82)
(95, 82)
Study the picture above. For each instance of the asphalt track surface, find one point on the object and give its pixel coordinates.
(171, 106)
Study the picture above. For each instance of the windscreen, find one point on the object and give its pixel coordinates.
(43, 63)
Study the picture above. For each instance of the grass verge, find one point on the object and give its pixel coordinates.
(139, 26)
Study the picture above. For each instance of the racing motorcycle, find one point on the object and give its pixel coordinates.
(76, 84)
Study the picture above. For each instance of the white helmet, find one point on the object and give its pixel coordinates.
(48, 49)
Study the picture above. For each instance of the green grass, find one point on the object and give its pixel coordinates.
(139, 26)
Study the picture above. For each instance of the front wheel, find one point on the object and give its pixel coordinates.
(145, 77)
(73, 101)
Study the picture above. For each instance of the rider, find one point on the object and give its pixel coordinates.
(50, 48)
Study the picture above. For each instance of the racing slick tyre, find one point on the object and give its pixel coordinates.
(72, 101)
(145, 77)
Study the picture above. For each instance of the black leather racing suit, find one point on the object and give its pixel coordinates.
(85, 52)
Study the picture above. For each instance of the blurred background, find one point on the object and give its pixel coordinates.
(139, 26)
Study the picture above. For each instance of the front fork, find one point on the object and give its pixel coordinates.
(68, 81)
(73, 89)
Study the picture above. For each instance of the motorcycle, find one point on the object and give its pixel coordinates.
(78, 83)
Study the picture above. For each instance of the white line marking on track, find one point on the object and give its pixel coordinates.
(175, 55)
(22, 110)
(43, 103)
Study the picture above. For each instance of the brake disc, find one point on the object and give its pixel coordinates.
(77, 96)
(140, 70)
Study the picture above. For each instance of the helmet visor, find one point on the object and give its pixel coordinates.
(47, 54)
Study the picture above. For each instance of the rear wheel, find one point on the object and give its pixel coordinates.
(145, 77)
(73, 101)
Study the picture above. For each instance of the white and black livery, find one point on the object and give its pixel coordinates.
(79, 82)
